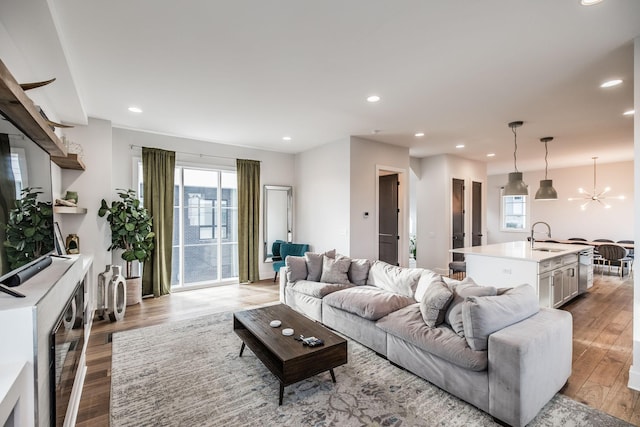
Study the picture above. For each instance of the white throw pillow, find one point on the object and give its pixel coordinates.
(426, 278)
(334, 270)
(399, 280)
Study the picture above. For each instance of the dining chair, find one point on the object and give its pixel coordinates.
(630, 252)
(614, 255)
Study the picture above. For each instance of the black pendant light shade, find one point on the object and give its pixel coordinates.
(546, 190)
(515, 186)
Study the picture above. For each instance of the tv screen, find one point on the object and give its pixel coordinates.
(26, 212)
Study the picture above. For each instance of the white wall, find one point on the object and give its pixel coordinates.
(321, 197)
(566, 218)
(434, 207)
(634, 371)
(275, 168)
(367, 159)
(92, 186)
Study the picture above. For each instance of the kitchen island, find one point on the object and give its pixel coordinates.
(558, 272)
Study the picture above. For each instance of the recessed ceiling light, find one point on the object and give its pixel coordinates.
(373, 98)
(589, 2)
(286, 138)
(491, 155)
(419, 134)
(135, 109)
(629, 113)
(460, 146)
(611, 83)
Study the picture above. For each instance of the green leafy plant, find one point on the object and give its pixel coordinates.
(29, 229)
(130, 227)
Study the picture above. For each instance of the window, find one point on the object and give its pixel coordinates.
(513, 213)
(205, 218)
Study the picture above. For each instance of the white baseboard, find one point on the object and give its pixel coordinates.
(634, 378)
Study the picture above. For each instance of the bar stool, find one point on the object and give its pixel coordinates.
(458, 269)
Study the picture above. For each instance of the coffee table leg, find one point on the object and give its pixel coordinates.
(333, 376)
(281, 394)
(242, 349)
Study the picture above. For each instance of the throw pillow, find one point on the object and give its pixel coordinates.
(334, 270)
(359, 271)
(426, 278)
(461, 290)
(399, 280)
(434, 303)
(297, 268)
(483, 316)
(314, 264)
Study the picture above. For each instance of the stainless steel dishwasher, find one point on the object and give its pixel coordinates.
(585, 270)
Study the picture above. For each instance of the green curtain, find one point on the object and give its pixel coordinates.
(158, 168)
(248, 219)
(7, 196)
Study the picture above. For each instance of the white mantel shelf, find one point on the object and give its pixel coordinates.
(521, 250)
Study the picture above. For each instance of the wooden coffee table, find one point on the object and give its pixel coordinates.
(288, 359)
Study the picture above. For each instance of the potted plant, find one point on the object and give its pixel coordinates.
(130, 231)
(29, 230)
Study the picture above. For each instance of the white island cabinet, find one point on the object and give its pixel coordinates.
(551, 268)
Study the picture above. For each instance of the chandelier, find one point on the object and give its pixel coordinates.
(595, 195)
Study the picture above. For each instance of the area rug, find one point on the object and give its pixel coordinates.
(188, 373)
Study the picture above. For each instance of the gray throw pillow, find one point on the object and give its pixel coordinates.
(461, 290)
(297, 268)
(359, 271)
(334, 270)
(314, 264)
(434, 302)
(425, 280)
(483, 316)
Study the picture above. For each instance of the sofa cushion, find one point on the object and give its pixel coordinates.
(297, 268)
(484, 315)
(334, 270)
(392, 278)
(317, 289)
(314, 264)
(461, 290)
(368, 302)
(435, 302)
(426, 277)
(359, 271)
(441, 341)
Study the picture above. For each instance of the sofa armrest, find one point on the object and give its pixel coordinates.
(528, 363)
(283, 283)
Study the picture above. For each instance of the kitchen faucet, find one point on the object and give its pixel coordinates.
(534, 226)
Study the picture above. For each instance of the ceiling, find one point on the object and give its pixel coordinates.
(250, 72)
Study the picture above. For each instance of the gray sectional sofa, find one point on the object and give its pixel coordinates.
(494, 348)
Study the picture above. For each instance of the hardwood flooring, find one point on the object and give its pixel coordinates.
(602, 342)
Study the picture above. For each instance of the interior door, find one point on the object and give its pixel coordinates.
(476, 214)
(388, 215)
(457, 217)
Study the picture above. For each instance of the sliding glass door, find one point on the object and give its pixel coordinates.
(205, 227)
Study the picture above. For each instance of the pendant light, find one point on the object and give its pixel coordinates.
(515, 186)
(546, 190)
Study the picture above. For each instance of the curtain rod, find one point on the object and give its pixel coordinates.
(132, 146)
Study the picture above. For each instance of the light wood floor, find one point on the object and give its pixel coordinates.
(602, 345)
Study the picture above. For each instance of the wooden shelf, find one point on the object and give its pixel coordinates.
(69, 210)
(71, 161)
(19, 109)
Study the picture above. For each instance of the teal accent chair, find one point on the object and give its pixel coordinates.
(286, 249)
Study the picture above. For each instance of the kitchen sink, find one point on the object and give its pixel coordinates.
(548, 249)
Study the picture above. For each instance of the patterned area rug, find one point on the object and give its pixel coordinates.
(188, 373)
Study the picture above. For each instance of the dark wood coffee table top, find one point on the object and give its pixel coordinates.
(288, 359)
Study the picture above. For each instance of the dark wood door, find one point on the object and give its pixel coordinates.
(476, 214)
(457, 217)
(388, 214)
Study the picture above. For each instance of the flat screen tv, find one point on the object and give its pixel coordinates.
(23, 165)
